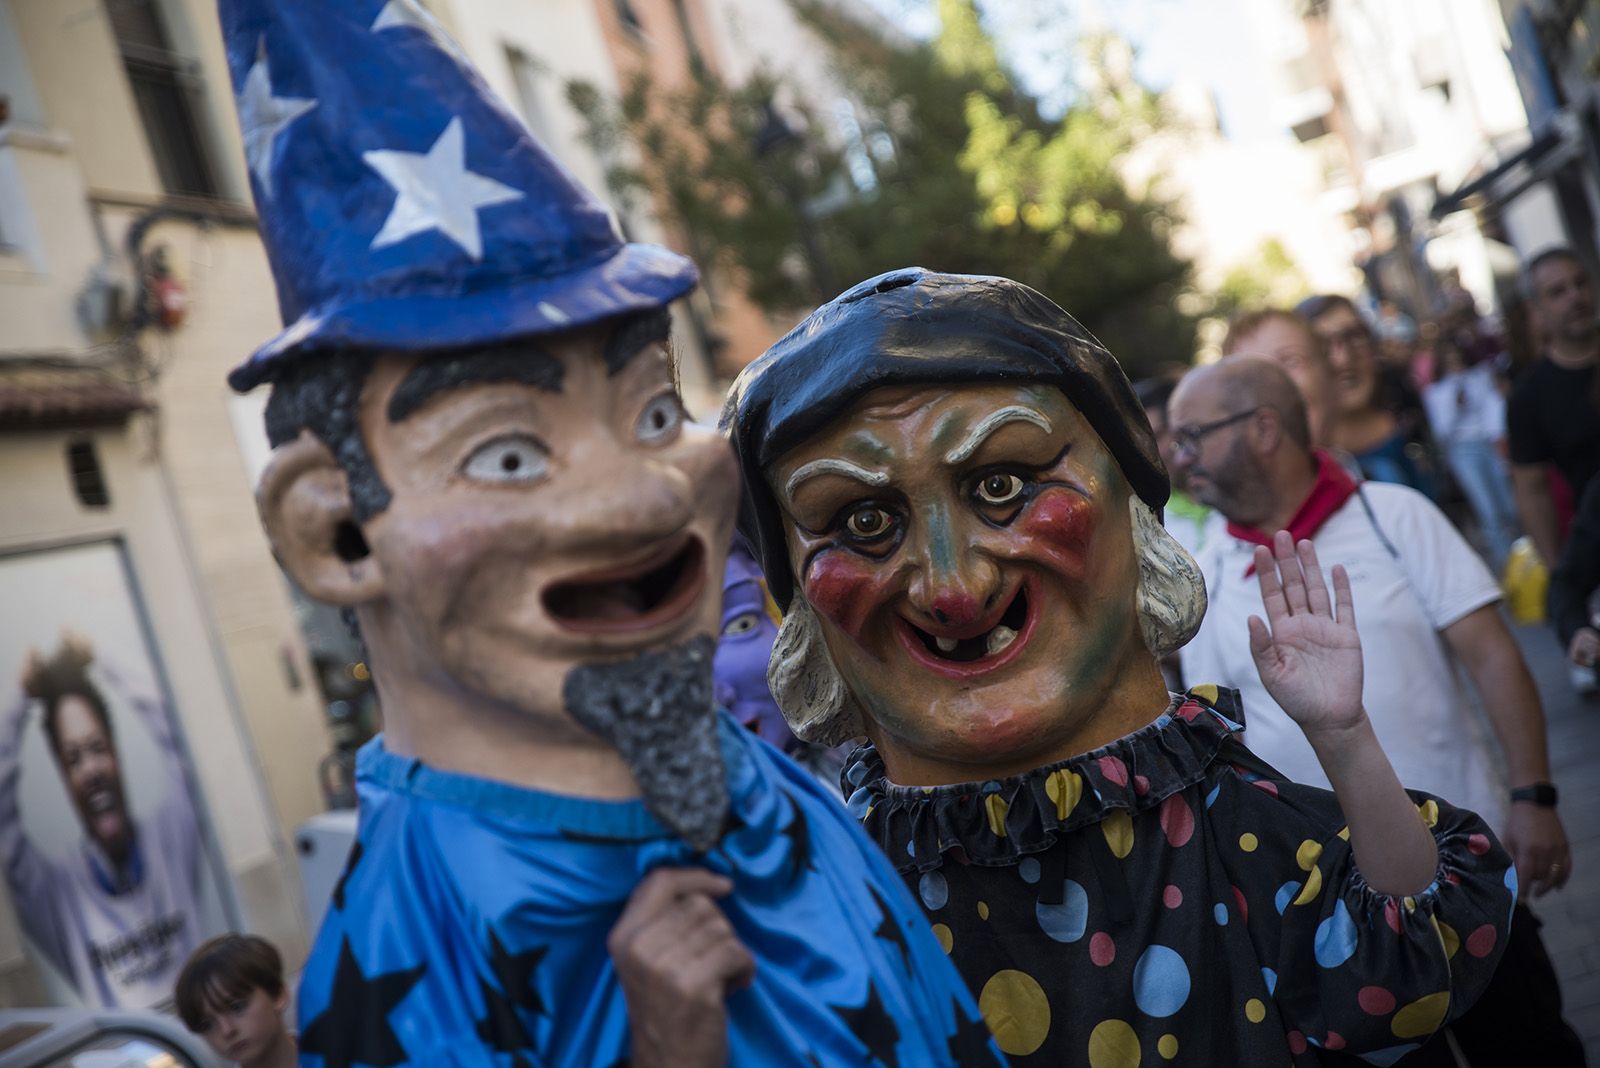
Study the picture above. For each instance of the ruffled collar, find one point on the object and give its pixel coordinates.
(998, 822)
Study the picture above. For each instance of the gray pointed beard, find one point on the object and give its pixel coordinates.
(656, 709)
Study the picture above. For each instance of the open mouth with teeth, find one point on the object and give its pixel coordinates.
(976, 652)
(103, 813)
(636, 597)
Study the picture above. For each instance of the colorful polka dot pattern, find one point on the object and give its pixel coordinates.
(1227, 861)
(1016, 1010)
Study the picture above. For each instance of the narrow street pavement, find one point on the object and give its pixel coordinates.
(1572, 915)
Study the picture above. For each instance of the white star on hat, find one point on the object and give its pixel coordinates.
(399, 13)
(262, 117)
(437, 192)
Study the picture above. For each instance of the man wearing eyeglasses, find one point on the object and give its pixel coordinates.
(1429, 606)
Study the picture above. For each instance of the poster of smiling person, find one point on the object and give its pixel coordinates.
(100, 844)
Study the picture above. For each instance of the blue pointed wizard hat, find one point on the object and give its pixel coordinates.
(402, 205)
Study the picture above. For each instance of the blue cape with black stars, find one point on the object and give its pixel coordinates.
(470, 928)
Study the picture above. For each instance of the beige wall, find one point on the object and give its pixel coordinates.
(77, 72)
(78, 77)
(231, 310)
(43, 208)
(196, 32)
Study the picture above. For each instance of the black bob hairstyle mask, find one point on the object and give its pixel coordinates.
(917, 327)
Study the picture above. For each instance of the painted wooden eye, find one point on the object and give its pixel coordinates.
(743, 623)
(869, 523)
(660, 420)
(999, 488)
(513, 458)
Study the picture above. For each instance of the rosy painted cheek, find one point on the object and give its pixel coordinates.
(845, 589)
(1058, 527)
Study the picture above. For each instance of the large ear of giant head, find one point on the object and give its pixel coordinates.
(305, 505)
(321, 484)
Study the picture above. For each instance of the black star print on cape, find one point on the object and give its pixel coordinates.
(732, 824)
(873, 1027)
(799, 835)
(354, 1027)
(515, 972)
(889, 930)
(501, 1028)
(344, 876)
(969, 1046)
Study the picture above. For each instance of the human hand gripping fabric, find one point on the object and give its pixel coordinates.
(1307, 652)
(678, 959)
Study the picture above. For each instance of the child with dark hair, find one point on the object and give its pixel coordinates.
(231, 993)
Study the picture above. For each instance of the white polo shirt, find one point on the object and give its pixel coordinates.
(1412, 688)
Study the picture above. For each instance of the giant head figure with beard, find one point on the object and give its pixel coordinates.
(489, 465)
(530, 534)
(480, 453)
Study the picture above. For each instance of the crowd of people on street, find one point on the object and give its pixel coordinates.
(1343, 431)
(1505, 451)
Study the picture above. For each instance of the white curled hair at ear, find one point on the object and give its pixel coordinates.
(805, 683)
(1171, 597)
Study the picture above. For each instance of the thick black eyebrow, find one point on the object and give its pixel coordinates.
(633, 334)
(519, 362)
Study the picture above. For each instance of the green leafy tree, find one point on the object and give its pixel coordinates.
(1270, 279)
(942, 160)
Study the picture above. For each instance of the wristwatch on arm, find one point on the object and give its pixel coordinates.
(1542, 794)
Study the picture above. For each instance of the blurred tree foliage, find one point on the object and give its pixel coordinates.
(938, 158)
(1270, 279)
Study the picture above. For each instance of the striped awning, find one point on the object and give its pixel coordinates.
(34, 397)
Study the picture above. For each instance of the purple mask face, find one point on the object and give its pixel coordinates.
(744, 644)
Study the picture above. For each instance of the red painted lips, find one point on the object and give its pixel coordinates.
(977, 650)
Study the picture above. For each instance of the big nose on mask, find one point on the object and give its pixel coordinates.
(627, 509)
(953, 583)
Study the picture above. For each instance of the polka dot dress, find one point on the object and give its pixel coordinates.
(1170, 899)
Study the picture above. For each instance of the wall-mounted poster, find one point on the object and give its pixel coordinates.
(103, 851)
